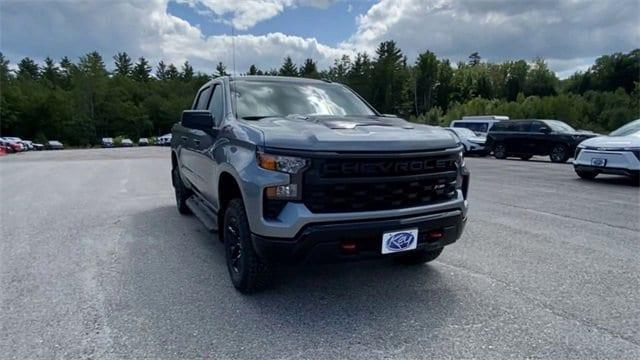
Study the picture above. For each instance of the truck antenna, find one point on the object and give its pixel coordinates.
(233, 54)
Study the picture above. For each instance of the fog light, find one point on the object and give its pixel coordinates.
(282, 192)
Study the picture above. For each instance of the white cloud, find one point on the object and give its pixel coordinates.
(142, 29)
(247, 13)
(568, 33)
(562, 31)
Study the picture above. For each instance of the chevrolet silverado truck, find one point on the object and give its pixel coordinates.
(300, 170)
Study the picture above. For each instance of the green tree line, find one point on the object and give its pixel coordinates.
(80, 102)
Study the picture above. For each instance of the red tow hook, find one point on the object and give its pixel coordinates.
(349, 247)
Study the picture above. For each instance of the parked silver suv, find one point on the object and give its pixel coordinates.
(618, 153)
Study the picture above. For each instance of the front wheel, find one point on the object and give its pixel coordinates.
(559, 154)
(248, 272)
(500, 151)
(182, 193)
(418, 256)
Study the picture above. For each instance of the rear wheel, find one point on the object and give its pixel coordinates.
(588, 175)
(418, 256)
(182, 193)
(499, 151)
(248, 272)
(559, 154)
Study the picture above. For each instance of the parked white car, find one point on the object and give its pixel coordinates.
(473, 144)
(164, 140)
(618, 153)
(478, 124)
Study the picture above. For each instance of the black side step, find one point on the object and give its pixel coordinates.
(206, 216)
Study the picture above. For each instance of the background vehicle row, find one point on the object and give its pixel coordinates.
(527, 138)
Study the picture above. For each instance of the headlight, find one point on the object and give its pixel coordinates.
(286, 164)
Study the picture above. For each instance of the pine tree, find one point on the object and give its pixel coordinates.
(51, 72)
(172, 72)
(141, 70)
(288, 68)
(221, 70)
(161, 71)
(123, 64)
(187, 72)
(309, 69)
(474, 59)
(389, 75)
(340, 69)
(425, 81)
(28, 69)
(253, 70)
(4, 68)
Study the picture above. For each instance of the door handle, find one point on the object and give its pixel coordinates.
(184, 138)
(197, 142)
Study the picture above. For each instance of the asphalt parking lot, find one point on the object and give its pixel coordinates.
(96, 262)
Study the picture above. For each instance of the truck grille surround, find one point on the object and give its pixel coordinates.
(354, 183)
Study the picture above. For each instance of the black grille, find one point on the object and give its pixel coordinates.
(370, 184)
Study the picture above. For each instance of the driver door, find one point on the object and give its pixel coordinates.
(188, 142)
(203, 143)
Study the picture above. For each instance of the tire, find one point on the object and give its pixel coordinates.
(247, 271)
(559, 154)
(525, 158)
(418, 257)
(587, 175)
(182, 193)
(499, 151)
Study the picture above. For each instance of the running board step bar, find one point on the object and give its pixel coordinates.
(207, 217)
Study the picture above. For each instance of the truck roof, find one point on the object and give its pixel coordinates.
(275, 78)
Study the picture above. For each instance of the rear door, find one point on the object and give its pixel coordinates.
(188, 140)
(522, 143)
(540, 142)
(508, 136)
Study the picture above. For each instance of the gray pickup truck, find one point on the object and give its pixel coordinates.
(301, 170)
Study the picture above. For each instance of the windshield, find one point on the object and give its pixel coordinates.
(628, 129)
(257, 99)
(557, 125)
(464, 132)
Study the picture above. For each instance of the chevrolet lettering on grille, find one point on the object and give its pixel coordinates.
(385, 167)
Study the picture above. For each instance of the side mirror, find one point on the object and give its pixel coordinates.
(197, 119)
(545, 130)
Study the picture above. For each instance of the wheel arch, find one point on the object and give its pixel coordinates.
(228, 189)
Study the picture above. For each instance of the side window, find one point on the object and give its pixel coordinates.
(508, 126)
(522, 126)
(203, 99)
(535, 126)
(217, 104)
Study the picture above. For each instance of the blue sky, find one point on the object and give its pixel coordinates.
(335, 21)
(569, 34)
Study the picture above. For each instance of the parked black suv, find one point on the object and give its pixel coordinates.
(526, 138)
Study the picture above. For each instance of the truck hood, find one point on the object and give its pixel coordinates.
(350, 133)
(612, 142)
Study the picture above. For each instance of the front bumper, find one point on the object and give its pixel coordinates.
(617, 162)
(318, 243)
